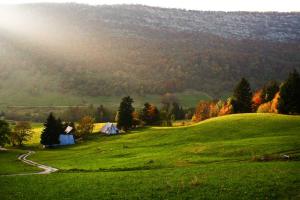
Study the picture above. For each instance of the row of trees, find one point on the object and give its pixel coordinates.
(127, 117)
(73, 113)
(54, 127)
(21, 132)
(275, 98)
(17, 135)
(284, 99)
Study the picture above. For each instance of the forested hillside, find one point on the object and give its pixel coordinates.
(116, 50)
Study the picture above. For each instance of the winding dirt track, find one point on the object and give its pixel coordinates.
(23, 158)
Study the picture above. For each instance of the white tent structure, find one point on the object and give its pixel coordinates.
(68, 129)
(110, 129)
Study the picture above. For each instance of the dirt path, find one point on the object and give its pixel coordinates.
(2, 149)
(23, 158)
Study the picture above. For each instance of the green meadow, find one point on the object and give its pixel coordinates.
(9, 163)
(244, 156)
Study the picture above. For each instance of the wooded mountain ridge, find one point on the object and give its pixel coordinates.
(133, 49)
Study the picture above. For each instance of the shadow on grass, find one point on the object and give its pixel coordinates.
(141, 168)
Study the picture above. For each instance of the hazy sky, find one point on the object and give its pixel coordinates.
(225, 5)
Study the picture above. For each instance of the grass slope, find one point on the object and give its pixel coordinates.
(9, 163)
(236, 137)
(218, 158)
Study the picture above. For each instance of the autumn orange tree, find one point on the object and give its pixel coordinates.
(85, 127)
(256, 100)
(227, 108)
(203, 111)
(269, 107)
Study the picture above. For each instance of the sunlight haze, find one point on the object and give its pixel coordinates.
(217, 5)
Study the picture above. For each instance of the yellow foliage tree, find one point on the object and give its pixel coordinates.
(269, 107)
(265, 107)
(274, 106)
(85, 126)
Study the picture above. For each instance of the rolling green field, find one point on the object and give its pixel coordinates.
(231, 157)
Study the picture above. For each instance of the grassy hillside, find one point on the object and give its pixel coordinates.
(9, 163)
(237, 156)
(230, 138)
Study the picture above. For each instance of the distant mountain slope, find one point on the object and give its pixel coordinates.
(240, 25)
(115, 50)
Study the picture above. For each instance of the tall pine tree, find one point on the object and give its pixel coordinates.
(242, 97)
(125, 118)
(289, 100)
(53, 128)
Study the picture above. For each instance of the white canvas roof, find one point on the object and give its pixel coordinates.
(69, 129)
(109, 129)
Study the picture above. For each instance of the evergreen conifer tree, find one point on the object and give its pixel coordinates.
(125, 118)
(60, 127)
(269, 91)
(289, 100)
(242, 97)
(50, 134)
